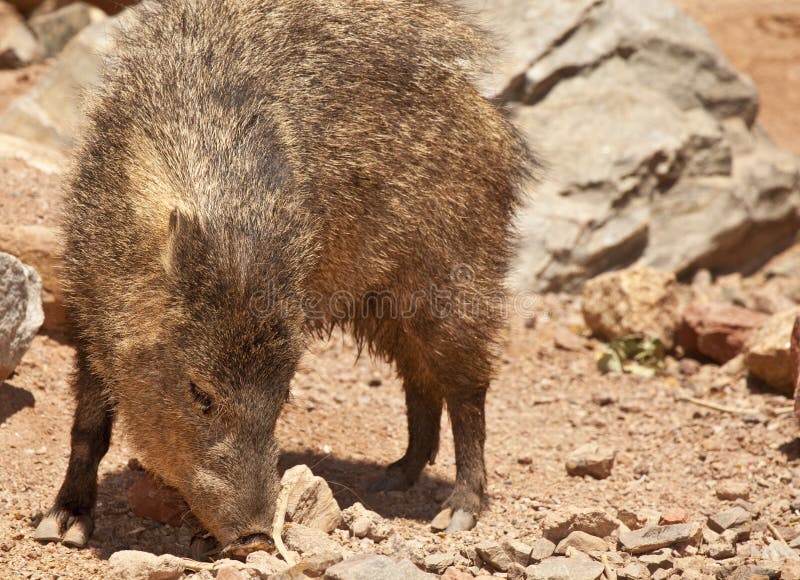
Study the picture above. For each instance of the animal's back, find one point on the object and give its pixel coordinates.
(358, 115)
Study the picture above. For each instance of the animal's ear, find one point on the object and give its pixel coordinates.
(177, 237)
(177, 222)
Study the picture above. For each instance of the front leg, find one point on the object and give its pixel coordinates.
(424, 411)
(70, 521)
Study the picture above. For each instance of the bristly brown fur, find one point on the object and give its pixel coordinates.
(245, 156)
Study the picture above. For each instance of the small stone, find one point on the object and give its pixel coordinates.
(307, 540)
(790, 570)
(456, 574)
(728, 519)
(709, 536)
(311, 501)
(228, 562)
(661, 574)
(717, 331)
(779, 551)
(231, 573)
(736, 535)
(720, 550)
(317, 564)
(768, 355)
(518, 551)
(541, 549)
(21, 314)
(591, 459)
(634, 519)
(657, 560)
(516, 572)
(558, 524)
(493, 554)
(135, 565)
(373, 567)
(565, 339)
(265, 563)
(657, 537)
(150, 498)
(583, 542)
(730, 490)
(364, 523)
(673, 516)
(565, 569)
(441, 520)
(633, 301)
(438, 563)
(633, 571)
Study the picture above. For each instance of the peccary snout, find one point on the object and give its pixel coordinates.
(240, 548)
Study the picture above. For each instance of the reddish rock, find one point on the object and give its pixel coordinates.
(150, 498)
(673, 516)
(453, 573)
(565, 339)
(718, 331)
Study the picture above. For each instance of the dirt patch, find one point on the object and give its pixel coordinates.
(546, 402)
(761, 38)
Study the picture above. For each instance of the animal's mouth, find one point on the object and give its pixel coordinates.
(241, 548)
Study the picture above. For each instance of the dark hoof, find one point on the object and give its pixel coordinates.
(391, 481)
(61, 526)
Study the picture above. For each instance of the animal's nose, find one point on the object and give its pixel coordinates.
(247, 545)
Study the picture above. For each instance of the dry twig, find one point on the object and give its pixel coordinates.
(776, 533)
(717, 407)
(610, 574)
(277, 525)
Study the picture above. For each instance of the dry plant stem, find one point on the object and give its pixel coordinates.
(610, 574)
(716, 407)
(775, 533)
(277, 525)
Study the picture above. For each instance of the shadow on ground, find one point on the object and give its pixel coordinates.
(791, 449)
(349, 479)
(116, 528)
(13, 400)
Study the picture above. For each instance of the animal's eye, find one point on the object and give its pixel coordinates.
(202, 398)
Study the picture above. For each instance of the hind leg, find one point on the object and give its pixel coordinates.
(438, 369)
(71, 519)
(466, 411)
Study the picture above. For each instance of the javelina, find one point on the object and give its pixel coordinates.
(321, 148)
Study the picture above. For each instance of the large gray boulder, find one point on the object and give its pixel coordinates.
(551, 41)
(648, 140)
(18, 46)
(50, 113)
(632, 178)
(55, 29)
(21, 313)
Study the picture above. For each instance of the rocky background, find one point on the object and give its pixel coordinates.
(641, 425)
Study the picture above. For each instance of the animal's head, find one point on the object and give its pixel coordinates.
(214, 377)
